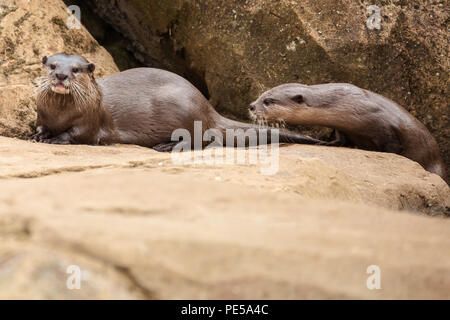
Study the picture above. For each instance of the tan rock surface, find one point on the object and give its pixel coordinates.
(28, 31)
(140, 226)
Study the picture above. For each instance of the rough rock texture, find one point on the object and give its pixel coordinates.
(233, 50)
(28, 31)
(140, 226)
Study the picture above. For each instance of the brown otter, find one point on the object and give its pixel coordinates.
(140, 106)
(360, 117)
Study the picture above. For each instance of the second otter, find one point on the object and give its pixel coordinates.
(140, 106)
(362, 119)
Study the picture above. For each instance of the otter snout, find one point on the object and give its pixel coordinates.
(251, 111)
(61, 76)
(254, 111)
(61, 84)
(256, 107)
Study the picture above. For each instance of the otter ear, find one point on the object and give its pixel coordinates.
(298, 99)
(44, 59)
(91, 67)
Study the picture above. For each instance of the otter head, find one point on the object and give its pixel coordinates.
(66, 74)
(285, 103)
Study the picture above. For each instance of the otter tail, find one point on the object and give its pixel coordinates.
(254, 134)
(438, 168)
(240, 134)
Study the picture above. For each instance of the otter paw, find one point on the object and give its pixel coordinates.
(38, 137)
(55, 141)
(165, 147)
(336, 143)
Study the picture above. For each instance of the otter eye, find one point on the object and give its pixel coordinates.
(75, 70)
(298, 99)
(267, 102)
(52, 66)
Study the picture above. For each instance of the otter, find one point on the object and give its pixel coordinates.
(361, 119)
(141, 106)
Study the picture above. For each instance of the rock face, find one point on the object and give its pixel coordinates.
(140, 226)
(28, 31)
(234, 50)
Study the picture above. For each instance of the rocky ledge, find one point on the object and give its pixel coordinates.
(140, 226)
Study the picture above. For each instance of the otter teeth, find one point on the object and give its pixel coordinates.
(60, 89)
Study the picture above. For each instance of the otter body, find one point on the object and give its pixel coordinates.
(361, 118)
(148, 104)
(140, 106)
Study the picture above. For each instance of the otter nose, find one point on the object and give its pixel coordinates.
(61, 76)
(252, 107)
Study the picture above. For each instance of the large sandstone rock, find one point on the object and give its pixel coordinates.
(28, 31)
(233, 50)
(140, 226)
(372, 178)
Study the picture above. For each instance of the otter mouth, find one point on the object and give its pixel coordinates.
(60, 88)
(256, 116)
(261, 119)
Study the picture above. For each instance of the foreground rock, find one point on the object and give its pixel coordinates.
(234, 50)
(140, 226)
(28, 31)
